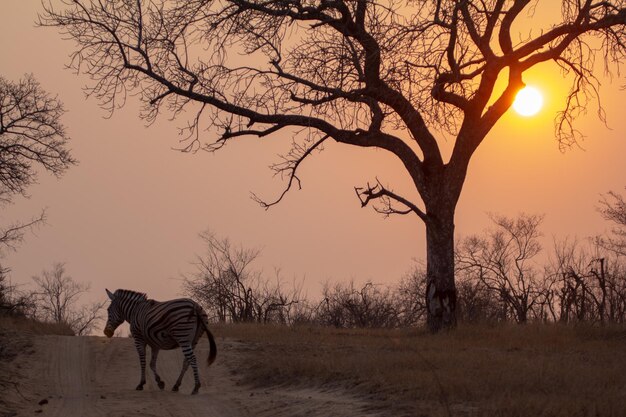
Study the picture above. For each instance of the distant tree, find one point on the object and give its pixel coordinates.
(613, 209)
(399, 76)
(502, 261)
(566, 271)
(31, 137)
(56, 299)
(231, 291)
(587, 282)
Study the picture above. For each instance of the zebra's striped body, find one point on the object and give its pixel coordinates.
(161, 325)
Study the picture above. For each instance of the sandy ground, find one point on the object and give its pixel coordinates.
(94, 376)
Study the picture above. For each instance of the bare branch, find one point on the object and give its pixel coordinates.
(378, 192)
(13, 235)
(289, 168)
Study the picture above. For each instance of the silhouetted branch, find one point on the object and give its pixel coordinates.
(386, 197)
(13, 235)
(289, 168)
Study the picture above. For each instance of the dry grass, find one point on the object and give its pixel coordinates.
(26, 325)
(508, 370)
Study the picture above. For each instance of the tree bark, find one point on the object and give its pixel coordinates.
(441, 289)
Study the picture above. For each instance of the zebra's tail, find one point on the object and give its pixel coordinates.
(202, 317)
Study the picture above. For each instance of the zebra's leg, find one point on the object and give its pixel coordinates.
(141, 350)
(182, 374)
(191, 358)
(153, 361)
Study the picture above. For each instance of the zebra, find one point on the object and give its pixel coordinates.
(161, 325)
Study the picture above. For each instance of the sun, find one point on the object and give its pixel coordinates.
(528, 101)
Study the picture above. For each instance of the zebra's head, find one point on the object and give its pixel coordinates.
(115, 315)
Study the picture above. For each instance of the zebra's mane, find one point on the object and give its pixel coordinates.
(130, 294)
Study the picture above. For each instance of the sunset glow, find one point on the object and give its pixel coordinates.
(130, 213)
(528, 101)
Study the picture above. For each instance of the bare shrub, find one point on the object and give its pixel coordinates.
(499, 279)
(56, 299)
(409, 297)
(502, 261)
(476, 303)
(348, 305)
(231, 290)
(12, 302)
(588, 282)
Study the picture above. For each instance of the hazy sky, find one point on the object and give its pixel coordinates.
(128, 216)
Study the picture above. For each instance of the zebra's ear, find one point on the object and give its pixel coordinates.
(110, 294)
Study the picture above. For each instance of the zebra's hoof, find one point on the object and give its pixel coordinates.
(194, 392)
(175, 388)
(161, 384)
(139, 387)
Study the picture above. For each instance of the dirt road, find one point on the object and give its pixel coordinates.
(94, 376)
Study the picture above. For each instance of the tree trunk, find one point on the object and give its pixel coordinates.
(440, 290)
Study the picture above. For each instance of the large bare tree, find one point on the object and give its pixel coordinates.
(31, 137)
(393, 75)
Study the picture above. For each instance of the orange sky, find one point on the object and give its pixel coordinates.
(128, 215)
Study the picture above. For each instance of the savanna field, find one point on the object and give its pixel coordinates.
(475, 370)
(490, 132)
